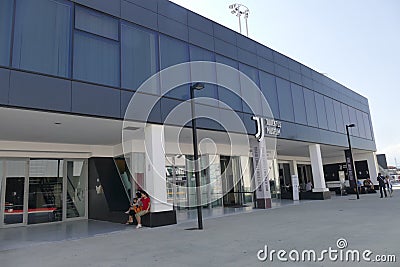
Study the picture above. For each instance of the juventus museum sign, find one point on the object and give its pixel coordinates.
(263, 158)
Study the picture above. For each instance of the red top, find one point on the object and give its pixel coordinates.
(145, 202)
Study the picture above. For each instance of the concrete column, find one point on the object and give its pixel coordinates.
(293, 168)
(155, 180)
(317, 168)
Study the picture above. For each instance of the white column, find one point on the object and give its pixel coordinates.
(293, 168)
(317, 168)
(155, 180)
(294, 174)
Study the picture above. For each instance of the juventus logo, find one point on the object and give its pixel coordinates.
(260, 128)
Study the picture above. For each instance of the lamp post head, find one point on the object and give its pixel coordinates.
(197, 86)
(351, 125)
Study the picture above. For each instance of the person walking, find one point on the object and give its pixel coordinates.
(389, 185)
(381, 181)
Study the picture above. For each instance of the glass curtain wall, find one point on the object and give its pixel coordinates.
(96, 47)
(176, 180)
(42, 190)
(45, 201)
(42, 36)
(231, 181)
(204, 180)
(248, 182)
(6, 18)
(14, 192)
(181, 183)
(138, 56)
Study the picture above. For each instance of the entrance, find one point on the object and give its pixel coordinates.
(231, 181)
(42, 191)
(305, 176)
(285, 180)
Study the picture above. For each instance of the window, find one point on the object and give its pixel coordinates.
(353, 119)
(360, 125)
(210, 90)
(339, 117)
(6, 12)
(321, 111)
(345, 113)
(367, 125)
(139, 56)
(250, 93)
(268, 88)
(96, 23)
(330, 113)
(172, 52)
(311, 110)
(96, 48)
(285, 100)
(96, 59)
(42, 37)
(299, 107)
(229, 95)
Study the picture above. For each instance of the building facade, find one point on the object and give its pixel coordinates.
(68, 71)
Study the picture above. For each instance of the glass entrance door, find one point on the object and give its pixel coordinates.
(231, 181)
(13, 191)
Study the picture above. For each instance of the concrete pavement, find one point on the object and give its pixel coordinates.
(369, 223)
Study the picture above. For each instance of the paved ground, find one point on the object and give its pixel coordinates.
(369, 223)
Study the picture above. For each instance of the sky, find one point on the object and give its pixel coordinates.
(356, 43)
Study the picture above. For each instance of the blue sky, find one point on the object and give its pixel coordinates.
(356, 43)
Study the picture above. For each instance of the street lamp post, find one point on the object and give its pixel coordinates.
(351, 156)
(196, 86)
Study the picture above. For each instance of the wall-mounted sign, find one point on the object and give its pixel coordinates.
(267, 126)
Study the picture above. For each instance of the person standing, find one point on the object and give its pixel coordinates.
(381, 181)
(145, 209)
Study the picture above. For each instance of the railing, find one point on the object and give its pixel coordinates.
(78, 205)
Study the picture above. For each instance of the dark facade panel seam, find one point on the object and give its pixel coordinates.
(139, 5)
(94, 9)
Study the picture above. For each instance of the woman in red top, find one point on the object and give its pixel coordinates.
(145, 208)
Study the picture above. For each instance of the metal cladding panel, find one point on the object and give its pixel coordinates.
(95, 100)
(201, 39)
(38, 91)
(110, 7)
(138, 15)
(224, 33)
(172, 11)
(4, 85)
(200, 23)
(225, 49)
(173, 28)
